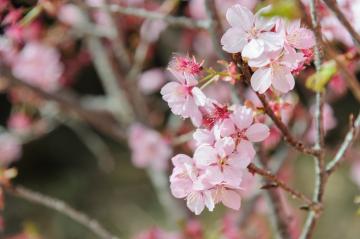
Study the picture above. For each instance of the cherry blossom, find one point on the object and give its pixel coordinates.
(149, 148)
(184, 97)
(151, 80)
(250, 34)
(39, 65)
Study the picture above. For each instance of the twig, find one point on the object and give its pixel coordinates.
(344, 21)
(120, 51)
(170, 20)
(94, 143)
(61, 207)
(288, 137)
(109, 79)
(294, 193)
(100, 120)
(159, 180)
(320, 173)
(214, 27)
(349, 139)
(278, 215)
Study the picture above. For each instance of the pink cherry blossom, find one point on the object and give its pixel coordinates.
(183, 97)
(242, 128)
(182, 184)
(222, 164)
(151, 80)
(275, 70)
(249, 34)
(149, 148)
(39, 65)
(296, 37)
(10, 149)
(186, 64)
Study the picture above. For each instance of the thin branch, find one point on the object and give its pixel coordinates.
(344, 21)
(214, 27)
(61, 207)
(117, 42)
(102, 121)
(170, 20)
(320, 173)
(278, 216)
(94, 143)
(288, 137)
(349, 139)
(273, 178)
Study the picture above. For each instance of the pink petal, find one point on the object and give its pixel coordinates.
(180, 159)
(233, 41)
(246, 148)
(282, 79)
(232, 176)
(195, 202)
(205, 155)
(261, 80)
(199, 96)
(253, 49)
(257, 132)
(231, 199)
(225, 146)
(241, 17)
(203, 136)
(242, 117)
(272, 41)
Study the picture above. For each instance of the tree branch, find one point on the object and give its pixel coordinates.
(294, 193)
(320, 173)
(61, 207)
(349, 139)
(170, 20)
(288, 137)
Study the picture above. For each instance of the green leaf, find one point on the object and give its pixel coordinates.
(318, 81)
(283, 8)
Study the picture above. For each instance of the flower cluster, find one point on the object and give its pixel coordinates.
(274, 48)
(223, 137)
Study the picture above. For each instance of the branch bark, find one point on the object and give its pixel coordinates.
(61, 207)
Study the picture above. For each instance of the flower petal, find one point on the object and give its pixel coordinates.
(241, 17)
(261, 79)
(233, 40)
(257, 132)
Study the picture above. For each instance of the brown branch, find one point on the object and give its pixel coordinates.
(102, 121)
(61, 207)
(288, 137)
(273, 178)
(349, 139)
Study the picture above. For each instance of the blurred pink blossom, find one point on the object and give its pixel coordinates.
(149, 148)
(151, 81)
(39, 65)
(19, 122)
(10, 149)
